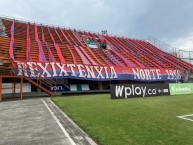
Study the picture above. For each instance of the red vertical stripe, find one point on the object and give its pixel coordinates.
(12, 40)
(59, 53)
(41, 55)
(28, 49)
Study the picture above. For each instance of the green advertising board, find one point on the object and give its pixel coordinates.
(184, 88)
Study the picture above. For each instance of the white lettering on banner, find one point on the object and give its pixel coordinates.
(22, 68)
(142, 74)
(81, 71)
(113, 73)
(99, 71)
(63, 70)
(146, 74)
(32, 68)
(45, 71)
(158, 74)
(90, 72)
(173, 74)
(54, 70)
(154, 74)
(72, 66)
(107, 75)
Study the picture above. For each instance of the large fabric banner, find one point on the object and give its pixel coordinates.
(91, 72)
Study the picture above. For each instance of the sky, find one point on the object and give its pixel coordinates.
(170, 21)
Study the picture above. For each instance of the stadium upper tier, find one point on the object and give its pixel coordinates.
(25, 41)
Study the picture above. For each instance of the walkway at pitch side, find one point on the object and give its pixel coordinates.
(38, 121)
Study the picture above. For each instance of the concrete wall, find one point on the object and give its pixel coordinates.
(26, 87)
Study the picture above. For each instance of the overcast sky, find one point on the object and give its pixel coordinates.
(168, 20)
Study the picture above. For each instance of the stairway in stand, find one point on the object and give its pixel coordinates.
(38, 85)
(40, 81)
(8, 69)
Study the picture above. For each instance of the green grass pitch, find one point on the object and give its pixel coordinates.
(137, 121)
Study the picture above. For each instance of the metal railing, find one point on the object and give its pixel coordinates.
(186, 56)
(162, 45)
(181, 54)
(40, 79)
(56, 26)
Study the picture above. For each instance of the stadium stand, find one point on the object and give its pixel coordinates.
(46, 53)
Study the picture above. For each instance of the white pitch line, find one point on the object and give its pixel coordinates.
(184, 117)
(60, 125)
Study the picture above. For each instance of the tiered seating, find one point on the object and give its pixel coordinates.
(19, 49)
(140, 55)
(77, 56)
(74, 48)
(89, 55)
(69, 37)
(167, 58)
(67, 53)
(57, 38)
(101, 57)
(4, 49)
(73, 36)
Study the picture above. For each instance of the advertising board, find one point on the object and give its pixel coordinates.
(179, 89)
(121, 91)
